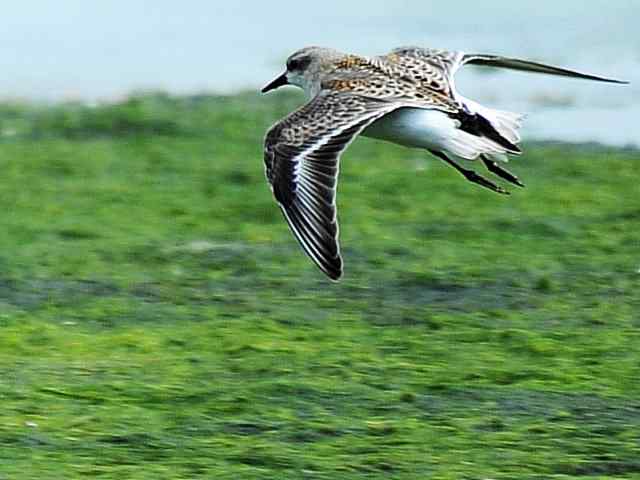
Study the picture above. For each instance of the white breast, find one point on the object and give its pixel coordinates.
(415, 127)
(435, 130)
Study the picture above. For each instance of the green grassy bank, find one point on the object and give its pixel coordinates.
(158, 320)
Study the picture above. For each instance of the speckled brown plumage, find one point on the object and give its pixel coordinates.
(410, 75)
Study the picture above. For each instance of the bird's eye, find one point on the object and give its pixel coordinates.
(293, 64)
(299, 63)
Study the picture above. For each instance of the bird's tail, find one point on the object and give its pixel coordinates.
(506, 123)
(498, 138)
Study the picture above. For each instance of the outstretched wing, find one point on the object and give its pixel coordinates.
(434, 69)
(301, 155)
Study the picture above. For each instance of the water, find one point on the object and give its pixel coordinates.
(73, 49)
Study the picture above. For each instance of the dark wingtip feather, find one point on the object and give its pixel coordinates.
(334, 276)
(535, 67)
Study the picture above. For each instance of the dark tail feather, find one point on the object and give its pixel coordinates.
(477, 125)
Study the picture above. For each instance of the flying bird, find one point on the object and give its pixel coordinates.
(408, 97)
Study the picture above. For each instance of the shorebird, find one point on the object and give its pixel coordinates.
(408, 97)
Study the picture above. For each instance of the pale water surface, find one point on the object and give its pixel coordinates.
(76, 49)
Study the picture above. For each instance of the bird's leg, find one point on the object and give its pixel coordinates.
(503, 173)
(470, 174)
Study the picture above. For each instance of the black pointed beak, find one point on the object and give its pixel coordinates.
(278, 82)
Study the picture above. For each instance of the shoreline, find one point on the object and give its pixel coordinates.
(20, 117)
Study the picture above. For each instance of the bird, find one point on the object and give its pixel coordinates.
(408, 97)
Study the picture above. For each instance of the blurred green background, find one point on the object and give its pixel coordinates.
(158, 319)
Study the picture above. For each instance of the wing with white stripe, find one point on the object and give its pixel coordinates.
(301, 156)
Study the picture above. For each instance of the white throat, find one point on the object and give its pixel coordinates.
(310, 87)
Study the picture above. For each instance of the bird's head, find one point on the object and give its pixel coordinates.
(305, 68)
